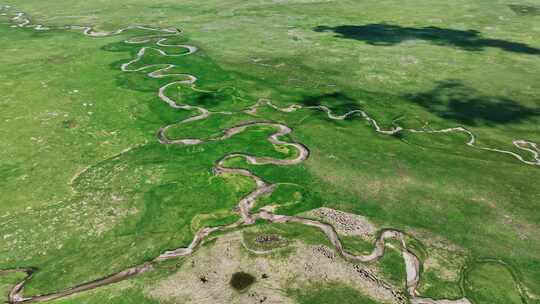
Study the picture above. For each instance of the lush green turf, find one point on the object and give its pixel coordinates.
(356, 245)
(492, 282)
(330, 294)
(130, 296)
(392, 266)
(67, 109)
(131, 292)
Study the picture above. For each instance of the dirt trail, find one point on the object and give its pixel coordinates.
(245, 205)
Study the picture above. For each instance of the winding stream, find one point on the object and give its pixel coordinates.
(245, 205)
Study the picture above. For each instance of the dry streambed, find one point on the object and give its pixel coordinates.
(159, 37)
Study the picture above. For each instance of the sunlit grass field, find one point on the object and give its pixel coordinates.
(86, 189)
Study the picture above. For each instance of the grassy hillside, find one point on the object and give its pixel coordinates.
(87, 190)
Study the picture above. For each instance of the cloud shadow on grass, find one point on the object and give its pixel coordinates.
(381, 34)
(452, 100)
(338, 102)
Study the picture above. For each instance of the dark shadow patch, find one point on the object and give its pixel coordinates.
(452, 100)
(339, 103)
(525, 10)
(381, 34)
(208, 99)
(241, 280)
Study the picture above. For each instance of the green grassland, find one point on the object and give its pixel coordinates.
(330, 294)
(86, 189)
(482, 279)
